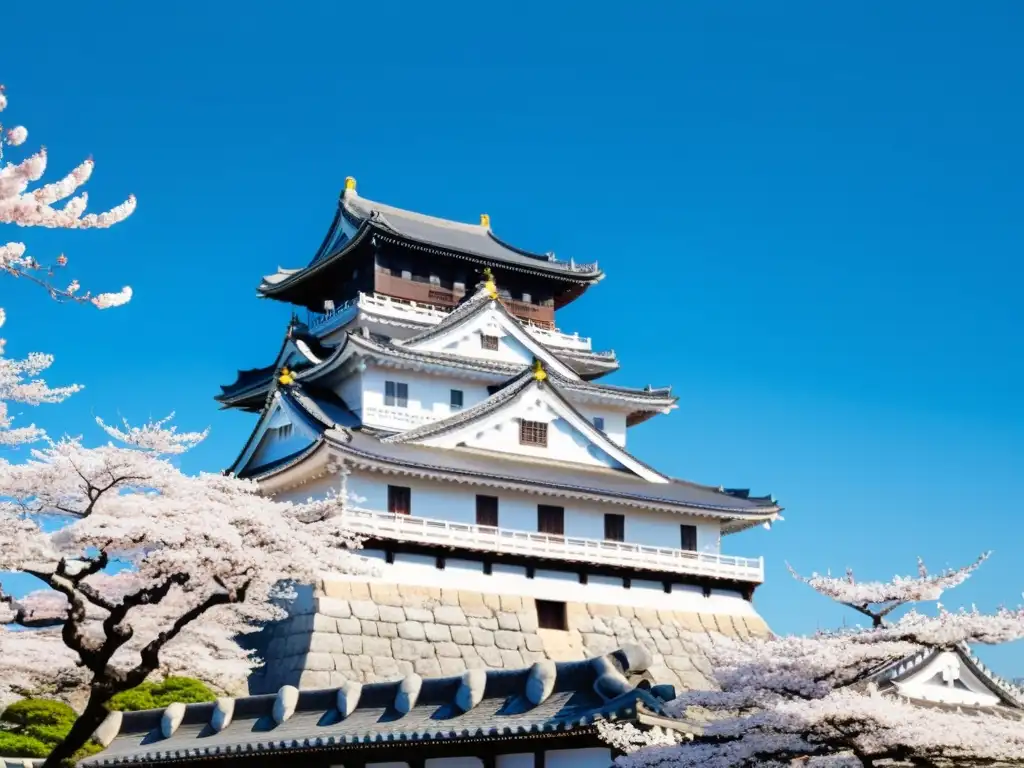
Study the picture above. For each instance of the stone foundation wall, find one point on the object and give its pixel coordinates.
(372, 632)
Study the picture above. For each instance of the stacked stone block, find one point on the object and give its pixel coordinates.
(373, 632)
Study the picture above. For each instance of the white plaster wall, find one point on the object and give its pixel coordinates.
(499, 431)
(518, 511)
(429, 397)
(614, 422)
(351, 392)
(551, 585)
(465, 341)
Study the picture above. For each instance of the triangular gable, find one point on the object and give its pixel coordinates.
(284, 428)
(460, 334)
(494, 425)
(949, 677)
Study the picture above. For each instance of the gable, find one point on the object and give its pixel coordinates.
(281, 433)
(509, 342)
(947, 679)
(568, 437)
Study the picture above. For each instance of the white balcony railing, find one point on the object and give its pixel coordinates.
(427, 314)
(424, 530)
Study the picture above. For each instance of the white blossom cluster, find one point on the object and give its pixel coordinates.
(27, 207)
(815, 700)
(209, 558)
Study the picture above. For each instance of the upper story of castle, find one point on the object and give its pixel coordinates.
(377, 249)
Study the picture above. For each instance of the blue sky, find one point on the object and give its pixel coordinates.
(808, 214)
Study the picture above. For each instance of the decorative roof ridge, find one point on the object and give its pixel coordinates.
(509, 391)
(482, 300)
(374, 206)
(601, 685)
(466, 309)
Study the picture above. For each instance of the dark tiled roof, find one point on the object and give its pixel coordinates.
(478, 704)
(368, 448)
(425, 233)
(471, 239)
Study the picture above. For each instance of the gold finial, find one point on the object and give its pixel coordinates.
(286, 377)
(350, 183)
(485, 220)
(489, 285)
(538, 371)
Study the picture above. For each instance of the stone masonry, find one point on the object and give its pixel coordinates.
(372, 632)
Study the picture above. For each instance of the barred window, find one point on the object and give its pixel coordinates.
(533, 433)
(489, 342)
(396, 393)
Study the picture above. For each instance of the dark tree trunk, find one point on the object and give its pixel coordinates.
(80, 733)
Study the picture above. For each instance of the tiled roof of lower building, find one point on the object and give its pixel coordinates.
(546, 698)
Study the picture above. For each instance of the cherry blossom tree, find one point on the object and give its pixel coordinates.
(210, 559)
(24, 206)
(814, 700)
(143, 570)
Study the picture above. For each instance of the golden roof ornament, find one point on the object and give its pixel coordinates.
(485, 220)
(489, 285)
(286, 377)
(350, 183)
(538, 371)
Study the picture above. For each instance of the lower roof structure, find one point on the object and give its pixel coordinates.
(481, 711)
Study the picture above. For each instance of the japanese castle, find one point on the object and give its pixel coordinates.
(505, 518)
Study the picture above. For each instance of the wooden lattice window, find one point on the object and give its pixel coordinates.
(533, 433)
(489, 342)
(550, 520)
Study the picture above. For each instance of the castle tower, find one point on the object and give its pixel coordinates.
(505, 518)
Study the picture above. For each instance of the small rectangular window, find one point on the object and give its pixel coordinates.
(396, 393)
(550, 520)
(615, 527)
(527, 298)
(533, 433)
(399, 500)
(599, 423)
(551, 614)
(489, 342)
(688, 538)
(456, 400)
(487, 511)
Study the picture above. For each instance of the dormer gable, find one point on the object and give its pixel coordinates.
(528, 417)
(952, 677)
(483, 329)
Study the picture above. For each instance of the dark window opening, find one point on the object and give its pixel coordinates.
(396, 393)
(551, 520)
(489, 342)
(399, 500)
(615, 527)
(599, 423)
(688, 537)
(487, 511)
(533, 433)
(456, 400)
(551, 614)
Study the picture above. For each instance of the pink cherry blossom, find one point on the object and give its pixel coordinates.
(17, 135)
(26, 207)
(814, 700)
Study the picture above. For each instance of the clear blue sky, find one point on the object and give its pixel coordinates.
(809, 215)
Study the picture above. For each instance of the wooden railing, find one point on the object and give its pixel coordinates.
(430, 293)
(486, 538)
